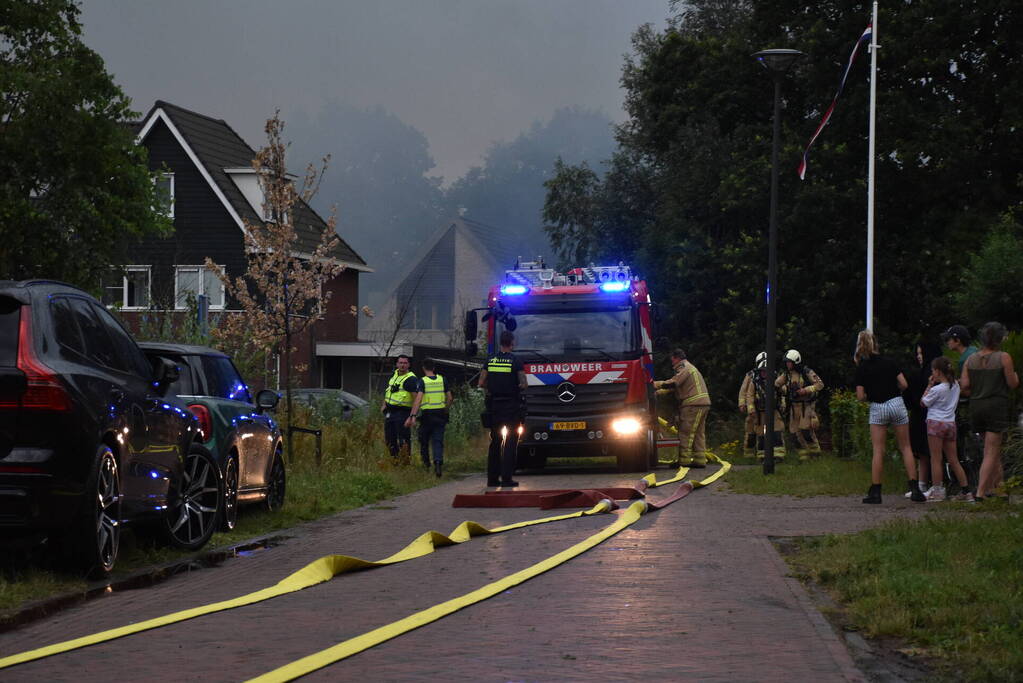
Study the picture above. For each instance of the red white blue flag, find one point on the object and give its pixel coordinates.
(864, 37)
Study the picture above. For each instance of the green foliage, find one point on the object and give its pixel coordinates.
(850, 433)
(686, 196)
(949, 584)
(989, 286)
(75, 189)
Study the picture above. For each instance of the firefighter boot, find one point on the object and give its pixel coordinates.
(749, 445)
(779, 448)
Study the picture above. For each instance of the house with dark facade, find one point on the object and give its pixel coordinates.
(211, 191)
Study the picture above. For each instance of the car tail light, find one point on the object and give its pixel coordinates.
(205, 421)
(43, 390)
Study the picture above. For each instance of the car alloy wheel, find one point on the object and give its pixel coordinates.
(275, 485)
(230, 510)
(99, 535)
(193, 515)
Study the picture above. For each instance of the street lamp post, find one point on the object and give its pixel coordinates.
(777, 62)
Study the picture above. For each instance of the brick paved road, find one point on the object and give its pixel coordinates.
(695, 591)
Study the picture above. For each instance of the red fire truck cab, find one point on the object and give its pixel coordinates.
(584, 337)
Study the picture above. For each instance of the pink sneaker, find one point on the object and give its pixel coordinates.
(935, 494)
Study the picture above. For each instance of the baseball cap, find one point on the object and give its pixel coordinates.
(957, 331)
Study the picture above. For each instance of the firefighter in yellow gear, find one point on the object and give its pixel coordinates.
(753, 402)
(693, 403)
(800, 386)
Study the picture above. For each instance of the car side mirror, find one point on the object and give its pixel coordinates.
(167, 373)
(267, 399)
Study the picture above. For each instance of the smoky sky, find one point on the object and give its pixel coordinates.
(464, 72)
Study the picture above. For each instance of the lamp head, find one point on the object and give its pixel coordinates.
(777, 60)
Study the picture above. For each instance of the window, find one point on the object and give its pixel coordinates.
(128, 356)
(165, 194)
(196, 280)
(69, 337)
(129, 290)
(223, 379)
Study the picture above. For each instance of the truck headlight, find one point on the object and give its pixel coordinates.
(626, 425)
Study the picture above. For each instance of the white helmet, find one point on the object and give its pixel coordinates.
(761, 360)
(793, 356)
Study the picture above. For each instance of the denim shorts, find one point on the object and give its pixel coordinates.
(944, 430)
(891, 412)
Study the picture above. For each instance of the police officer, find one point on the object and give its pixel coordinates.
(756, 402)
(433, 416)
(403, 389)
(693, 404)
(800, 386)
(504, 380)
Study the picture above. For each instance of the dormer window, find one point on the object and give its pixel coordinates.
(165, 194)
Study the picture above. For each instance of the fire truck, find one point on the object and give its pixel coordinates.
(584, 337)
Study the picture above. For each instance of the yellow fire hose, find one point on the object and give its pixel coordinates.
(365, 641)
(323, 569)
(327, 567)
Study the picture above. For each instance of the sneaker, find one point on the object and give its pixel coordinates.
(509, 484)
(935, 494)
(965, 497)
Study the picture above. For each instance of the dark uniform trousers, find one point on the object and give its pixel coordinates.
(397, 435)
(431, 433)
(504, 413)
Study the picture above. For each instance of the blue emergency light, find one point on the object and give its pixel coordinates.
(512, 290)
(614, 286)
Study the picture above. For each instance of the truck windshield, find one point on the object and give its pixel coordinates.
(576, 333)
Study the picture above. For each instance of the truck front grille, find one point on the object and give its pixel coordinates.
(590, 399)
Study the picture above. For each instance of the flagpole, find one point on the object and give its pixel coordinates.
(870, 171)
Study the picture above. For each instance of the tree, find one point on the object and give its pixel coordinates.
(989, 285)
(388, 203)
(508, 189)
(281, 292)
(689, 182)
(75, 189)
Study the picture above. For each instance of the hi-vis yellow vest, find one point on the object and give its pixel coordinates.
(433, 393)
(396, 394)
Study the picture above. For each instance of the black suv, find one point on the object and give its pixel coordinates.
(89, 438)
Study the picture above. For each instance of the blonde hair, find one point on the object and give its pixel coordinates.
(866, 345)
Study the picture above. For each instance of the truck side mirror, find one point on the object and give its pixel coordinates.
(470, 327)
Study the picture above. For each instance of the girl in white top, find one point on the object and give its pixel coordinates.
(941, 398)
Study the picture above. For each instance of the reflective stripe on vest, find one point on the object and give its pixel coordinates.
(499, 365)
(396, 394)
(433, 393)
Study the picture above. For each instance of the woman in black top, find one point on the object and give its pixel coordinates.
(880, 382)
(918, 378)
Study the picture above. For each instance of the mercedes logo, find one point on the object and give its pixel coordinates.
(566, 392)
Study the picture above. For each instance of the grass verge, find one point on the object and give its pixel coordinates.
(823, 476)
(951, 585)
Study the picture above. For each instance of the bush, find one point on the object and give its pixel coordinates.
(850, 431)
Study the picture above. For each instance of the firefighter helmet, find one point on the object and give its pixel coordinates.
(761, 360)
(793, 356)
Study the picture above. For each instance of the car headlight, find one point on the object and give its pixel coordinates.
(626, 425)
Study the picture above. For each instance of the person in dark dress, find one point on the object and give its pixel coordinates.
(926, 352)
